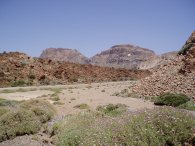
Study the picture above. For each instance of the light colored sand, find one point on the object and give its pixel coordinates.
(90, 94)
(24, 95)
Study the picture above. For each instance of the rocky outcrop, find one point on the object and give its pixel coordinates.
(63, 54)
(19, 69)
(122, 56)
(176, 76)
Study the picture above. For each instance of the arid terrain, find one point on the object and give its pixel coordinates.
(46, 102)
(93, 95)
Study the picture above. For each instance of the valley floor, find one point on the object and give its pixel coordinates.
(93, 95)
(66, 98)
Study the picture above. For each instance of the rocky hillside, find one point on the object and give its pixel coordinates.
(177, 76)
(17, 69)
(122, 56)
(63, 54)
(157, 60)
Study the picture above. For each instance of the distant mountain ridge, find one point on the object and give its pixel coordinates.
(118, 56)
(64, 54)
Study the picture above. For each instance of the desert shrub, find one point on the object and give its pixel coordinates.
(162, 126)
(111, 109)
(58, 103)
(171, 99)
(73, 129)
(55, 98)
(5, 102)
(19, 122)
(18, 83)
(43, 109)
(81, 106)
(3, 111)
(165, 126)
(190, 105)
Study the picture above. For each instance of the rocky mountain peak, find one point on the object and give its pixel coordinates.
(122, 56)
(64, 54)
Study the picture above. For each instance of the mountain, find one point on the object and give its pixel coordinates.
(176, 76)
(19, 69)
(122, 56)
(64, 54)
(157, 60)
(118, 56)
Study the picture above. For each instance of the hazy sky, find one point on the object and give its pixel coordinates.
(91, 26)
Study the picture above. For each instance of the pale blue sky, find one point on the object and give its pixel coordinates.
(91, 26)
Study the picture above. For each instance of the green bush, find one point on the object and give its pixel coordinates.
(190, 105)
(3, 111)
(171, 99)
(19, 122)
(43, 109)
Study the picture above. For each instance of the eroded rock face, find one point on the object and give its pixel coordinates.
(122, 56)
(64, 54)
(176, 76)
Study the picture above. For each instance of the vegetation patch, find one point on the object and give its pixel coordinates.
(123, 93)
(18, 83)
(82, 106)
(190, 105)
(171, 99)
(18, 90)
(58, 103)
(3, 110)
(5, 102)
(112, 110)
(55, 98)
(16, 123)
(42, 109)
(162, 126)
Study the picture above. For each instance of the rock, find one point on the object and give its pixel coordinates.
(177, 76)
(37, 71)
(64, 54)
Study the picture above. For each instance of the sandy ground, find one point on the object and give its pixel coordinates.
(94, 94)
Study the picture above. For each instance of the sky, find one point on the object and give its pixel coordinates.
(91, 26)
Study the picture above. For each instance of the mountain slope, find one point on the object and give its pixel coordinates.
(122, 56)
(177, 76)
(64, 54)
